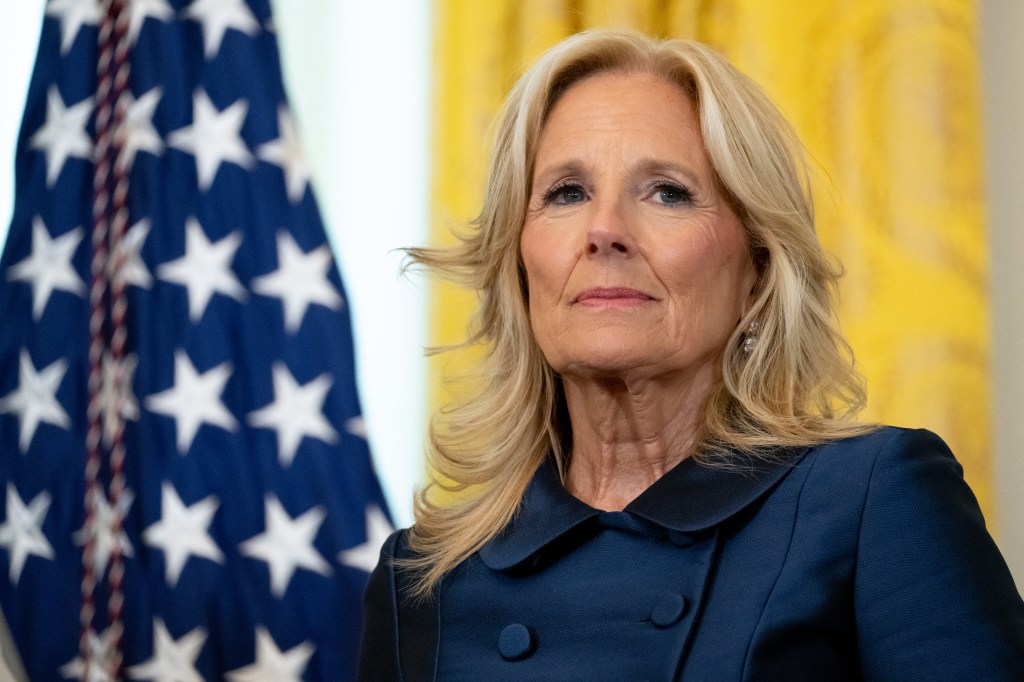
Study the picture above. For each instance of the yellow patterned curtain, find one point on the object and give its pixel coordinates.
(885, 95)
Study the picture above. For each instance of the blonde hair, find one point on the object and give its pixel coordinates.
(797, 385)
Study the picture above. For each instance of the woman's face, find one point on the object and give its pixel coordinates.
(636, 264)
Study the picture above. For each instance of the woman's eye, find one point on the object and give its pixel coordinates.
(672, 194)
(565, 194)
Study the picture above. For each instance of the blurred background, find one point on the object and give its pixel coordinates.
(911, 111)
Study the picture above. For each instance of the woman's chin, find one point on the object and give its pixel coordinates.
(609, 363)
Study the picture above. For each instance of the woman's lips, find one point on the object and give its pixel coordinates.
(612, 296)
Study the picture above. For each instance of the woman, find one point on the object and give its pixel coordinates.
(660, 477)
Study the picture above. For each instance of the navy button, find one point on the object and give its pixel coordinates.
(669, 609)
(515, 642)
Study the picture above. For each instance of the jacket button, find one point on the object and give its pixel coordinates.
(516, 642)
(668, 611)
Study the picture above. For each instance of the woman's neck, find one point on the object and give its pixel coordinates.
(626, 435)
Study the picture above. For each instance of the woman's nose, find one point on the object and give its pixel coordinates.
(609, 234)
(604, 242)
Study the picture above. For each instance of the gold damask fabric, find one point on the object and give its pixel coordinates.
(885, 95)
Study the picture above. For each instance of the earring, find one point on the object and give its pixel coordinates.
(750, 337)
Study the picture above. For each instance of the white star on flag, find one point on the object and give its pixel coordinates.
(35, 399)
(21, 533)
(273, 665)
(205, 269)
(172, 660)
(63, 134)
(72, 15)
(102, 531)
(286, 152)
(99, 654)
(129, 251)
(217, 16)
(194, 399)
(213, 138)
(300, 280)
(287, 544)
(182, 532)
(116, 395)
(140, 10)
(297, 411)
(48, 267)
(140, 135)
(365, 556)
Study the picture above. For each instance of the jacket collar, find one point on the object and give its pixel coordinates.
(689, 498)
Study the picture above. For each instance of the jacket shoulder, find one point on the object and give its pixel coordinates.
(378, 652)
(883, 441)
(851, 464)
(400, 634)
(933, 597)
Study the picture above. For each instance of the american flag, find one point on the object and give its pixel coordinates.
(187, 490)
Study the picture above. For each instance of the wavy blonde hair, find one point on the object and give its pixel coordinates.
(797, 386)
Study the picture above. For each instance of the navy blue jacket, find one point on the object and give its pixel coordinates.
(861, 559)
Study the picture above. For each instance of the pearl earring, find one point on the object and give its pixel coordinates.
(750, 337)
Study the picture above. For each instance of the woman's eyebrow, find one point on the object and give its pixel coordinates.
(652, 165)
(568, 167)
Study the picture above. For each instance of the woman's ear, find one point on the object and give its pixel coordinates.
(757, 266)
(750, 281)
